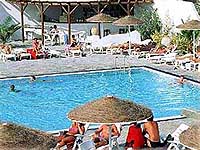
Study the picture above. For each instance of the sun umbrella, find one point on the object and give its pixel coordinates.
(109, 110)
(128, 21)
(191, 137)
(191, 25)
(17, 137)
(101, 18)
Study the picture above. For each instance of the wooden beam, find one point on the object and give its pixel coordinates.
(69, 23)
(22, 20)
(74, 8)
(42, 22)
(123, 7)
(103, 8)
(48, 5)
(64, 9)
(128, 9)
(95, 10)
(132, 9)
(99, 26)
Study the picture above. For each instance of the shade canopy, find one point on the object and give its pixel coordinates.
(101, 18)
(191, 136)
(190, 25)
(17, 137)
(109, 110)
(127, 21)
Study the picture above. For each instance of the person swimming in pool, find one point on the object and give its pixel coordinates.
(33, 78)
(12, 89)
(181, 79)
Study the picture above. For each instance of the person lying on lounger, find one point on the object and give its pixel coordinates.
(101, 135)
(69, 136)
(6, 49)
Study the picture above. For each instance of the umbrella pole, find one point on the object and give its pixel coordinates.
(194, 45)
(110, 132)
(129, 44)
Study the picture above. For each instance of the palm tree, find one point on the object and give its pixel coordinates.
(7, 29)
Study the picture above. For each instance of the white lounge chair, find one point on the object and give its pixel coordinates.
(78, 141)
(5, 56)
(169, 58)
(87, 145)
(175, 144)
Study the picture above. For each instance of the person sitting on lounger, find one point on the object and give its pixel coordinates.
(101, 136)
(135, 138)
(36, 45)
(152, 131)
(74, 44)
(68, 137)
(55, 34)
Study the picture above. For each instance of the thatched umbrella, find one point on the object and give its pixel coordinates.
(15, 137)
(128, 21)
(109, 110)
(191, 25)
(101, 18)
(191, 136)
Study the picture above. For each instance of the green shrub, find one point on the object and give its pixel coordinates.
(7, 29)
(152, 23)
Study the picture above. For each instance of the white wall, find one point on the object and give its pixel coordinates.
(174, 12)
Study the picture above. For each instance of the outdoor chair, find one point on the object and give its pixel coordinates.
(175, 144)
(69, 51)
(87, 145)
(5, 57)
(72, 145)
(21, 53)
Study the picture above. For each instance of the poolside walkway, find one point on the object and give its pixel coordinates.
(90, 62)
(11, 69)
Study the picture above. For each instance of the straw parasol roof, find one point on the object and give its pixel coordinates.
(15, 137)
(191, 137)
(103, 18)
(127, 20)
(190, 25)
(109, 110)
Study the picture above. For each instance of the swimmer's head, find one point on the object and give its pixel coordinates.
(33, 78)
(12, 87)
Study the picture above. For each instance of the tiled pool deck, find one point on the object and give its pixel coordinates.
(93, 62)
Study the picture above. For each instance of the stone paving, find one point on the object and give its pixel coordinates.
(11, 69)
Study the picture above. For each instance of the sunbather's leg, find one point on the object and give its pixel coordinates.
(65, 141)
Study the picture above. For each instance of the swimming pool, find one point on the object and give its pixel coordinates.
(43, 104)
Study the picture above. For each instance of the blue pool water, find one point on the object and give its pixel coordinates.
(43, 104)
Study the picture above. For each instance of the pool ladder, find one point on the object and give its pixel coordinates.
(125, 61)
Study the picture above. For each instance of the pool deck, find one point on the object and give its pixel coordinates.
(11, 69)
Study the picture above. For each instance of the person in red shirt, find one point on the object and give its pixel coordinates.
(135, 138)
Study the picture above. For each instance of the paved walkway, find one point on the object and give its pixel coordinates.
(91, 62)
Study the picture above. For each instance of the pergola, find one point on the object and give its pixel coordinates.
(72, 5)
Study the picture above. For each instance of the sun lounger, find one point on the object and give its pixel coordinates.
(176, 142)
(87, 145)
(73, 145)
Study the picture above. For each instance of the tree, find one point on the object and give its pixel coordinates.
(197, 6)
(151, 20)
(7, 29)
